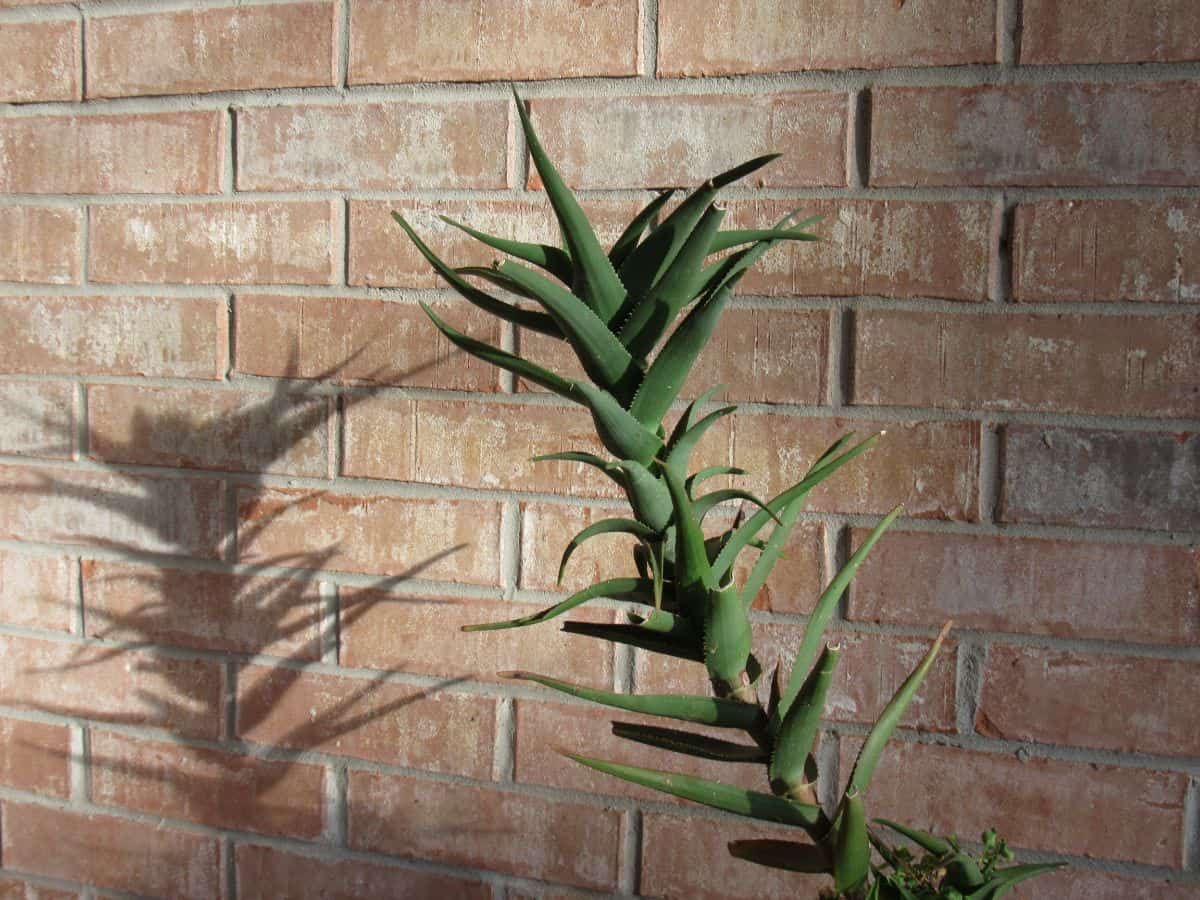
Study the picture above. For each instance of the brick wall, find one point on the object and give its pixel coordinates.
(246, 497)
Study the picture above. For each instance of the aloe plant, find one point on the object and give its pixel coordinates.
(637, 318)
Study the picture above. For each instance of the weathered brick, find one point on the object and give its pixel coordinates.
(197, 428)
(37, 591)
(206, 610)
(686, 139)
(381, 255)
(544, 729)
(1038, 134)
(43, 61)
(1118, 479)
(1074, 883)
(474, 40)
(162, 337)
(17, 888)
(136, 153)
(929, 467)
(409, 634)
(212, 787)
(223, 242)
(470, 444)
(689, 857)
(1095, 250)
(1108, 365)
(796, 580)
(1070, 589)
(398, 724)
(1109, 31)
(163, 515)
(35, 756)
(928, 786)
(384, 146)
(454, 824)
(37, 418)
(1082, 700)
(42, 244)
(141, 857)
(196, 51)
(351, 340)
(455, 540)
(129, 686)
(717, 37)
(265, 873)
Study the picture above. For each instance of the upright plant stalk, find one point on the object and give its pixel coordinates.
(637, 317)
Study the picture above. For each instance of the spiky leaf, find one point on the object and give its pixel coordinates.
(638, 589)
(554, 260)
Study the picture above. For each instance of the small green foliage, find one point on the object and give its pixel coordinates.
(637, 318)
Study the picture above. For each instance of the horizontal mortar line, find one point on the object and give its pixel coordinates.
(47, 881)
(96, 9)
(601, 88)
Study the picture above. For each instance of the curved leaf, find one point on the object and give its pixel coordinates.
(628, 240)
(554, 260)
(922, 839)
(726, 640)
(704, 505)
(693, 579)
(1003, 879)
(851, 849)
(694, 481)
(771, 551)
(604, 526)
(643, 638)
(488, 273)
(727, 240)
(647, 495)
(680, 455)
(615, 588)
(797, 733)
(698, 745)
(623, 435)
(788, 855)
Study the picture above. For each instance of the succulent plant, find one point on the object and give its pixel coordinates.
(618, 311)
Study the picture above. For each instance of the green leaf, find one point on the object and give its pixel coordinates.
(623, 435)
(604, 526)
(771, 552)
(526, 318)
(764, 807)
(633, 231)
(604, 357)
(698, 745)
(554, 260)
(698, 710)
(788, 855)
(1004, 879)
(729, 270)
(667, 374)
(881, 731)
(680, 456)
(615, 588)
(643, 638)
(694, 481)
(922, 839)
(726, 638)
(702, 506)
(797, 733)
(818, 620)
(487, 273)
(727, 240)
(693, 579)
(647, 494)
(851, 849)
(595, 278)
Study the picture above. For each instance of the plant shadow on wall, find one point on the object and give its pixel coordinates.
(615, 310)
(159, 616)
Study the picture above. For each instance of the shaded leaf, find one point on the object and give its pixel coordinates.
(614, 588)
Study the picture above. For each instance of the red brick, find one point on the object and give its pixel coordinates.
(206, 610)
(6, 4)
(35, 757)
(398, 724)
(161, 515)
(1065, 697)
(1070, 589)
(930, 467)
(1117, 812)
(42, 242)
(472, 444)
(140, 857)
(686, 139)
(409, 634)
(685, 857)
(162, 337)
(244, 241)
(15, 888)
(212, 787)
(383, 146)
(454, 540)
(354, 340)
(43, 61)
(197, 51)
(1075, 883)
(136, 153)
(1096, 250)
(126, 686)
(37, 589)
(716, 37)
(1107, 365)
(1037, 134)
(473, 40)
(544, 730)
(1116, 479)
(871, 668)
(381, 255)
(37, 418)
(459, 824)
(1109, 31)
(198, 428)
(797, 578)
(265, 873)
